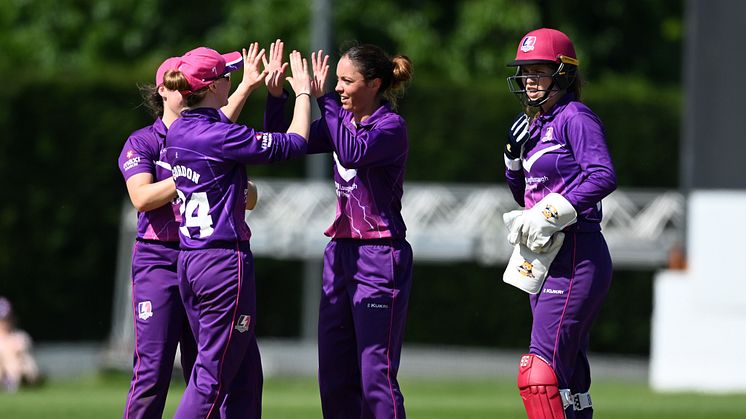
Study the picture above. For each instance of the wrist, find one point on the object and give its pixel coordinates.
(303, 94)
(245, 88)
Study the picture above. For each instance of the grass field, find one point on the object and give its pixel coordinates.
(103, 396)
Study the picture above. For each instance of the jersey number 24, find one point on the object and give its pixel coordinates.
(195, 213)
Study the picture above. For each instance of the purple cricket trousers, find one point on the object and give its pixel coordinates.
(219, 293)
(160, 324)
(363, 311)
(565, 309)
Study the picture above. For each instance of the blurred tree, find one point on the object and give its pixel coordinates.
(72, 101)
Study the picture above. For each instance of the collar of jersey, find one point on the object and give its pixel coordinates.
(558, 107)
(381, 112)
(205, 113)
(159, 127)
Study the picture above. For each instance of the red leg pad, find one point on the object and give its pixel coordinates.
(539, 389)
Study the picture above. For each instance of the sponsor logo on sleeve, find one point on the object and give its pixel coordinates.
(132, 160)
(144, 310)
(265, 138)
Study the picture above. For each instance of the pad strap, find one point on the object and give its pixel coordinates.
(578, 401)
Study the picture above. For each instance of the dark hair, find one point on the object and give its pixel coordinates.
(152, 101)
(175, 80)
(374, 63)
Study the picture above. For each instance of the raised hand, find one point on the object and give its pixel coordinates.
(275, 68)
(300, 80)
(320, 70)
(253, 76)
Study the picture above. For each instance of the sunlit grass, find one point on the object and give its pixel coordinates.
(102, 396)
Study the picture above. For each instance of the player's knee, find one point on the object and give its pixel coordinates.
(539, 388)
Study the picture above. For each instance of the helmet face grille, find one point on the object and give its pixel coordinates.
(562, 79)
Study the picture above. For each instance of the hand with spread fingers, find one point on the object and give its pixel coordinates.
(320, 67)
(275, 68)
(253, 76)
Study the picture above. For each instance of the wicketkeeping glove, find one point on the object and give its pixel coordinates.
(517, 136)
(527, 270)
(514, 223)
(548, 216)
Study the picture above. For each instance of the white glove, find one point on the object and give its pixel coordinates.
(527, 270)
(514, 223)
(548, 216)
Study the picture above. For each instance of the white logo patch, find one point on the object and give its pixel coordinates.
(528, 43)
(144, 310)
(243, 323)
(548, 135)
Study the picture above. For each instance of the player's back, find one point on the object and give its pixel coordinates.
(210, 186)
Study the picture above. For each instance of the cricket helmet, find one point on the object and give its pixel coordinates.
(544, 46)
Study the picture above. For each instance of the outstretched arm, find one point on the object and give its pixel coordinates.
(252, 78)
(301, 84)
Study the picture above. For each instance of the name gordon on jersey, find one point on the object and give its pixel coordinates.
(179, 171)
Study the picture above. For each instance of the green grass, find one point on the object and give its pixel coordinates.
(103, 396)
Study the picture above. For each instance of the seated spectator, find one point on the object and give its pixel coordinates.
(17, 366)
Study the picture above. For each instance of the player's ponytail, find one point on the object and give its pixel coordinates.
(373, 63)
(402, 74)
(175, 80)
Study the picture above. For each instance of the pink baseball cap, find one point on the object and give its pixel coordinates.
(545, 46)
(202, 66)
(170, 64)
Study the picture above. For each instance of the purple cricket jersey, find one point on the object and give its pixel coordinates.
(369, 165)
(143, 153)
(208, 159)
(566, 154)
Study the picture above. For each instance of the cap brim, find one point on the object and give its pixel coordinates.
(233, 61)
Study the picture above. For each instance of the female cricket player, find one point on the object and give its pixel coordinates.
(160, 319)
(208, 158)
(558, 167)
(368, 263)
